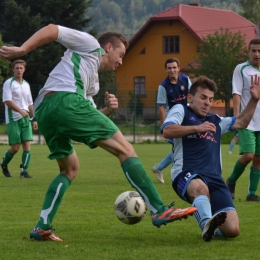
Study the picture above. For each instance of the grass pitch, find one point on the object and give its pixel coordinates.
(87, 223)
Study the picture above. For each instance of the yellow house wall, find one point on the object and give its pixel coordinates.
(151, 64)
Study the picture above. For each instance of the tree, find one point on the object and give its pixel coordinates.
(21, 18)
(251, 10)
(218, 56)
(5, 69)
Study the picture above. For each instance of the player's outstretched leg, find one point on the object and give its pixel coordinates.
(213, 223)
(137, 177)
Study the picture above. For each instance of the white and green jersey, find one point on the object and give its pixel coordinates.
(78, 69)
(241, 83)
(20, 94)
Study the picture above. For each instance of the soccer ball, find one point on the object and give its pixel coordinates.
(130, 208)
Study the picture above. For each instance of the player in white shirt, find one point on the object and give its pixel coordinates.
(249, 138)
(18, 110)
(65, 111)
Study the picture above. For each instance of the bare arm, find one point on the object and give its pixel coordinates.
(178, 131)
(111, 103)
(31, 110)
(31, 113)
(43, 36)
(244, 118)
(162, 115)
(236, 104)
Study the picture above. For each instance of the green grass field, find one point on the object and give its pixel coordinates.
(87, 223)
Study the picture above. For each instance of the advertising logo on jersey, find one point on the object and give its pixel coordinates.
(182, 87)
(207, 135)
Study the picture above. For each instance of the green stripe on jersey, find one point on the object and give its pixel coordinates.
(100, 50)
(242, 68)
(79, 83)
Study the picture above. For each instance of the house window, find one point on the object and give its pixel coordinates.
(171, 44)
(139, 85)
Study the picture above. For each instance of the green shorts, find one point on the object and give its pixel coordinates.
(66, 116)
(19, 131)
(249, 141)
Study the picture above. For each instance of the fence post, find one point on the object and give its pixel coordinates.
(156, 119)
(134, 116)
(39, 134)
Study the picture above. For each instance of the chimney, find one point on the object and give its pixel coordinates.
(195, 4)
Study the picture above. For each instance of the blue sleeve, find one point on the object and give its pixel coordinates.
(174, 116)
(226, 124)
(161, 96)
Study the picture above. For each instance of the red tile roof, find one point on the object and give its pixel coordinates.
(202, 21)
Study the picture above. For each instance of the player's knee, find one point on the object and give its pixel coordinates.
(71, 174)
(196, 188)
(233, 231)
(256, 161)
(14, 149)
(71, 171)
(129, 150)
(231, 227)
(247, 157)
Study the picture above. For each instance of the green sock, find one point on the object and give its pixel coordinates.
(7, 158)
(26, 157)
(254, 177)
(53, 200)
(137, 177)
(237, 171)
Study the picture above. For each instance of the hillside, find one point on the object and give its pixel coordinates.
(128, 16)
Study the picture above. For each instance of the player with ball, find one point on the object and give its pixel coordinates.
(66, 101)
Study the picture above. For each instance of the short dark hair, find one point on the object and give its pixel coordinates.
(23, 62)
(113, 38)
(205, 83)
(253, 41)
(171, 60)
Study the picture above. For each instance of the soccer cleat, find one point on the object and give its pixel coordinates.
(42, 235)
(5, 171)
(25, 175)
(171, 214)
(231, 186)
(252, 198)
(214, 222)
(229, 152)
(158, 174)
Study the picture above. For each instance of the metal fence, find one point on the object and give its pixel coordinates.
(136, 117)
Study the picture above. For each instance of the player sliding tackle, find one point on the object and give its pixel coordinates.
(68, 97)
(196, 175)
